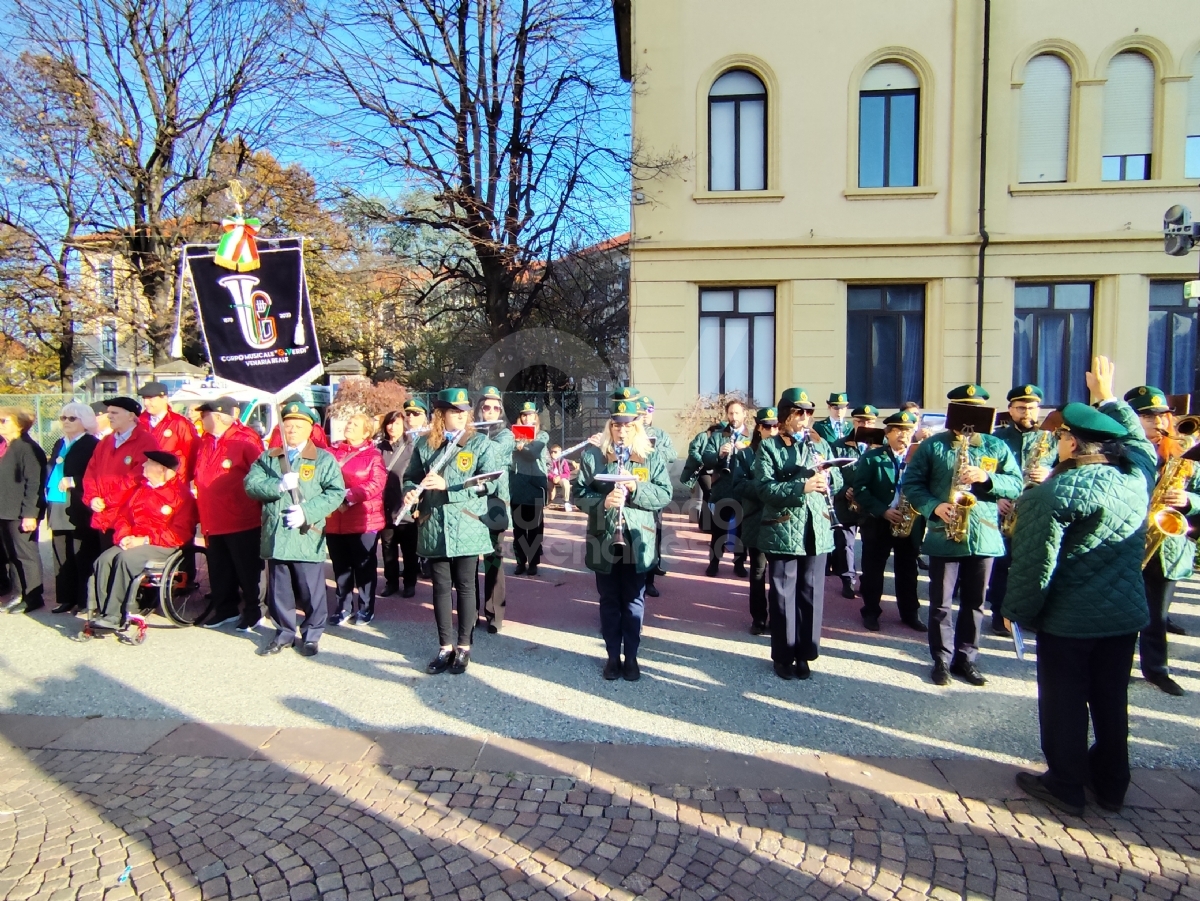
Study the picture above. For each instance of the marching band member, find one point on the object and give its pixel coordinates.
(451, 532)
(1025, 440)
(877, 481)
(723, 454)
(398, 540)
(172, 432)
(841, 561)
(620, 530)
(837, 426)
(1075, 579)
(665, 448)
(527, 483)
(694, 472)
(795, 532)
(490, 408)
(766, 425)
(116, 465)
(984, 470)
(1175, 557)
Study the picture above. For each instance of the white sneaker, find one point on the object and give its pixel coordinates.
(219, 623)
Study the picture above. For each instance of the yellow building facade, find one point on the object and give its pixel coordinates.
(818, 224)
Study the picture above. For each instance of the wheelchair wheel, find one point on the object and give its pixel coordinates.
(183, 597)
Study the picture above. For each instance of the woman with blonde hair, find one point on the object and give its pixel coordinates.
(620, 486)
(22, 472)
(352, 528)
(76, 544)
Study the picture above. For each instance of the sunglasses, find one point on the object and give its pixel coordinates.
(491, 408)
(413, 413)
(68, 419)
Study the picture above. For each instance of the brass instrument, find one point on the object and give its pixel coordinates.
(1164, 521)
(908, 513)
(961, 498)
(1033, 462)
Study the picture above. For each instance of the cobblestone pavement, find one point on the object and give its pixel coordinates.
(104, 824)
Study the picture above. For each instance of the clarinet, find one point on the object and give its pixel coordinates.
(623, 455)
(833, 520)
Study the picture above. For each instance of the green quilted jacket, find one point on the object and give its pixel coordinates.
(527, 471)
(780, 469)
(825, 429)
(745, 490)
(663, 444)
(322, 490)
(726, 470)
(1022, 444)
(927, 484)
(652, 494)
(694, 464)
(450, 523)
(874, 484)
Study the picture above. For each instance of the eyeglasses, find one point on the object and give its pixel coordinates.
(68, 419)
(1060, 434)
(491, 408)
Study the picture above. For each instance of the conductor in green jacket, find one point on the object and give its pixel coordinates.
(1076, 579)
(489, 408)
(299, 485)
(991, 473)
(620, 529)
(795, 532)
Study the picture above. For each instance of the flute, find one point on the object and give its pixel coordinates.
(424, 430)
(410, 512)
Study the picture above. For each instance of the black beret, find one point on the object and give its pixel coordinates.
(153, 389)
(124, 403)
(168, 460)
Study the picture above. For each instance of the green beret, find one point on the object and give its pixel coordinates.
(416, 405)
(905, 419)
(969, 394)
(454, 399)
(298, 409)
(648, 403)
(767, 416)
(1147, 399)
(1026, 392)
(865, 412)
(529, 407)
(491, 391)
(621, 410)
(837, 400)
(1090, 424)
(794, 397)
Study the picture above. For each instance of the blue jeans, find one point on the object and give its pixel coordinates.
(622, 604)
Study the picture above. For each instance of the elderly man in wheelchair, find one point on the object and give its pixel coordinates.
(158, 518)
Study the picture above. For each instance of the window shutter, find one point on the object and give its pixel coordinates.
(1129, 106)
(1045, 120)
(889, 77)
(1193, 119)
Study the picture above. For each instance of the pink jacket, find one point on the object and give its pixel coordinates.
(365, 477)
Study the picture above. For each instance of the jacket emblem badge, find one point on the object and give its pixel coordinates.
(128, 460)
(988, 464)
(166, 510)
(226, 464)
(642, 473)
(307, 471)
(465, 461)
(167, 433)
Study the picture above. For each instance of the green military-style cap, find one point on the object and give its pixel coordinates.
(866, 411)
(1026, 392)
(453, 399)
(1090, 424)
(767, 416)
(1147, 399)
(491, 391)
(838, 400)
(622, 410)
(969, 394)
(647, 403)
(528, 407)
(625, 392)
(905, 419)
(298, 409)
(416, 405)
(794, 397)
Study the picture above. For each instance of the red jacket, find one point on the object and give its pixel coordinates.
(166, 515)
(365, 478)
(319, 438)
(176, 435)
(220, 474)
(114, 472)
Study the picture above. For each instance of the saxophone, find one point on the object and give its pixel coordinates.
(1008, 522)
(1166, 522)
(908, 518)
(961, 498)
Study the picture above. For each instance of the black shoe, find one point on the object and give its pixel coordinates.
(63, 608)
(659, 571)
(492, 628)
(1032, 786)
(803, 671)
(758, 628)
(441, 662)
(651, 591)
(364, 619)
(1105, 803)
(915, 623)
(408, 591)
(335, 619)
(739, 570)
(921, 564)
(871, 623)
(612, 669)
(247, 625)
(532, 569)
(631, 671)
(309, 649)
(712, 569)
(462, 657)
(30, 608)
(967, 671)
(784, 671)
(848, 587)
(940, 674)
(1165, 683)
(520, 570)
(1174, 629)
(389, 589)
(271, 649)
(999, 627)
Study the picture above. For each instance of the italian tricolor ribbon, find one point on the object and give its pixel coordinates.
(236, 249)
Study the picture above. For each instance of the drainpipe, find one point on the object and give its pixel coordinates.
(983, 235)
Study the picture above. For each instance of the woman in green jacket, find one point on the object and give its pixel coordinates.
(620, 532)
(527, 482)
(451, 533)
(490, 409)
(766, 425)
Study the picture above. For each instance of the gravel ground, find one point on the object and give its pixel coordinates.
(705, 682)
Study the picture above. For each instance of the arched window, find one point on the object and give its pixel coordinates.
(737, 133)
(1045, 119)
(1191, 165)
(1128, 118)
(889, 102)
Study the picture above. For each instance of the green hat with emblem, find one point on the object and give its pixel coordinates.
(905, 419)
(838, 400)
(794, 397)
(1147, 399)
(491, 391)
(298, 409)
(1026, 392)
(453, 399)
(767, 416)
(528, 407)
(625, 392)
(416, 405)
(624, 410)
(969, 394)
(647, 403)
(866, 411)
(1090, 424)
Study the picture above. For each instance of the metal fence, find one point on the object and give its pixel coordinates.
(45, 408)
(568, 416)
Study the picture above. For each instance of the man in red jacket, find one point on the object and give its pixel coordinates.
(157, 517)
(116, 466)
(230, 520)
(172, 432)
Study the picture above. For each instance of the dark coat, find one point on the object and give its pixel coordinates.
(395, 461)
(75, 513)
(22, 475)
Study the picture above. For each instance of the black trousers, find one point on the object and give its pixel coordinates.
(759, 609)
(622, 607)
(233, 566)
(1152, 643)
(841, 561)
(75, 553)
(457, 573)
(726, 522)
(117, 577)
(297, 585)
(24, 561)
(528, 526)
(878, 543)
(355, 571)
(961, 638)
(704, 480)
(396, 543)
(797, 599)
(1077, 677)
(998, 583)
(494, 594)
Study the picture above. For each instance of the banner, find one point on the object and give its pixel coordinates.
(258, 325)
